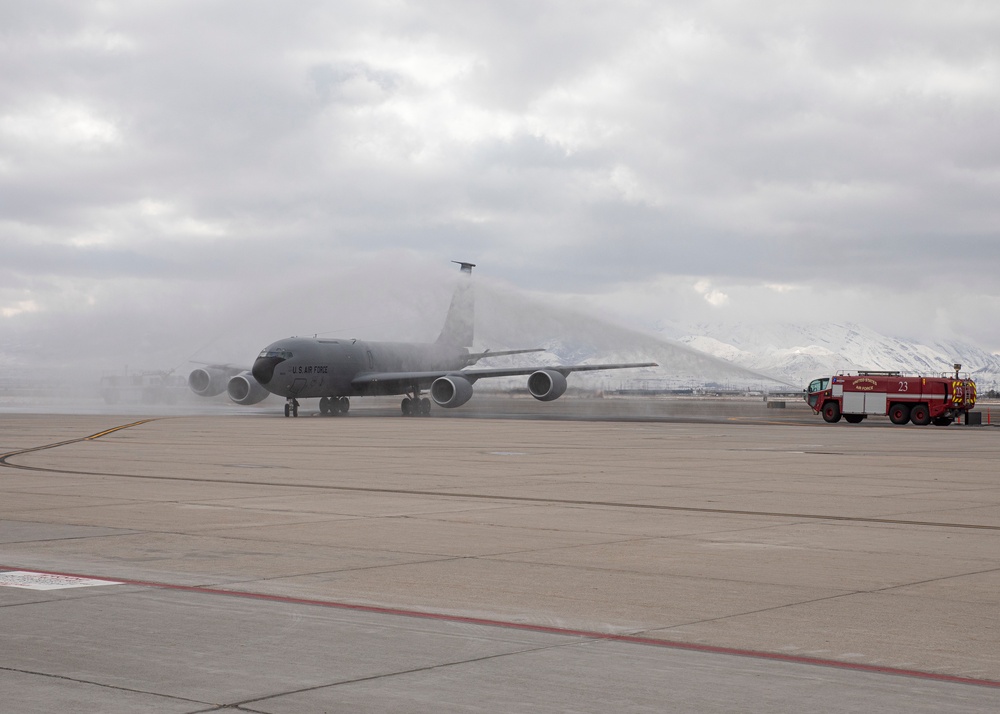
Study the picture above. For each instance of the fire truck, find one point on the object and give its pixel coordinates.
(905, 398)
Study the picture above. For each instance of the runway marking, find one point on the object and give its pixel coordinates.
(548, 629)
(92, 437)
(112, 430)
(32, 580)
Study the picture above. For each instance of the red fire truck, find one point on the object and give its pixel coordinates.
(905, 398)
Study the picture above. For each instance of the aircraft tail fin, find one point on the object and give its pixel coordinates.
(460, 322)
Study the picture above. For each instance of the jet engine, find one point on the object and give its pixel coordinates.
(209, 381)
(451, 391)
(547, 384)
(244, 389)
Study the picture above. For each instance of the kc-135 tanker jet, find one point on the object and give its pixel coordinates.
(336, 369)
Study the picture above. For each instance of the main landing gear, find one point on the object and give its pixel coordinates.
(292, 407)
(416, 405)
(334, 405)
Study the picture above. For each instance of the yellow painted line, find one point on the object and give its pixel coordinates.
(21, 452)
(117, 428)
(38, 448)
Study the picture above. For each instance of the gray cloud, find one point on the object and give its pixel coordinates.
(623, 151)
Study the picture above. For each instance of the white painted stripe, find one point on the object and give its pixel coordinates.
(46, 581)
(904, 397)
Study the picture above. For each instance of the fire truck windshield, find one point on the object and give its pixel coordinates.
(818, 385)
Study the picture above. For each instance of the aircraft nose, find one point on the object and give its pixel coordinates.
(263, 368)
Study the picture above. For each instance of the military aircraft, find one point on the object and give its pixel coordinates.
(334, 370)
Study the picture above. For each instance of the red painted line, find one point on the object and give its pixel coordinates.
(544, 629)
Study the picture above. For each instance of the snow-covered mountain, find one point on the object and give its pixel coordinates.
(772, 356)
(799, 353)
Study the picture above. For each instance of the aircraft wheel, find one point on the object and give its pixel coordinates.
(345, 405)
(899, 413)
(324, 405)
(295, 409)
(425, 406)
(406, 406)
(287, 411)
(920, 415)
(831, 412)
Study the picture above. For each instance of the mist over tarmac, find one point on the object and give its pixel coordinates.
(388, 297)
(509, 319)
(408, 301)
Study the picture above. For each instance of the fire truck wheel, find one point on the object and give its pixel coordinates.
(854, 418)
(942, 421)
(831, 412)
(920, 415)
(899, 413)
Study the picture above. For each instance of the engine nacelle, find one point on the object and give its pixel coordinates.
(546, 385)
(244, 389)
(451, 391)
(209, 381)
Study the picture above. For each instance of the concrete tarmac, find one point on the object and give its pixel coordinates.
(711, 561)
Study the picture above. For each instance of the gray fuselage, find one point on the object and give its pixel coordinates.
(299, 367)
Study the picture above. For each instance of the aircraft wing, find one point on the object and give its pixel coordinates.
(476, 356)
(395, 382)
(228, 366)
(473, 374)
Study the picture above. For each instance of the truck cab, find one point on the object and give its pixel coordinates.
(815, 390)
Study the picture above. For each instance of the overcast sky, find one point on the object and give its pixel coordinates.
(177, 170)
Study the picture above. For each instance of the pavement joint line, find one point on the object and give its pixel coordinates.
(447, 494)
(381, 566)
(103, 685)
(388, 675)
(775, 608)
(497, 497)
(593, 636)
(61, 539)
(932, 580)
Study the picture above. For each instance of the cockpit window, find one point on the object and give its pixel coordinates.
(279, 353)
